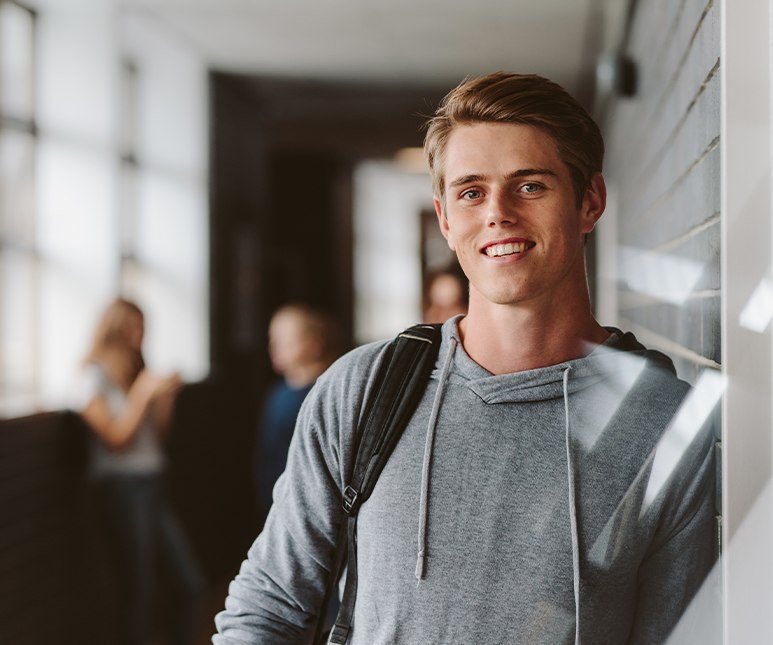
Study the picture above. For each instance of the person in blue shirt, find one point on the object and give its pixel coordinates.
(303, 342)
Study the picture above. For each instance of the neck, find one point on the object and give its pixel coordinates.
(513, 338)
(302, 375)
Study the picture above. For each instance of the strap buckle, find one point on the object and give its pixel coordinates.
(350, 498)
(340, 634)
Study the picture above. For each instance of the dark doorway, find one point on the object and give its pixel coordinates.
(281, 160)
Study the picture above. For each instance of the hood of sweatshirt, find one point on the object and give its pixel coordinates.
(620, 356)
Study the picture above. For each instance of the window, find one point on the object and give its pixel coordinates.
(88, 212)
(18, 253)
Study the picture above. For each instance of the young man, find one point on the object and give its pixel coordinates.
(521, 504)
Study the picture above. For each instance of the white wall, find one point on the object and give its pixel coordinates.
(746, 316)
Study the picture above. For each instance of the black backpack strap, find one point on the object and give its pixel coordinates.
(397, 390)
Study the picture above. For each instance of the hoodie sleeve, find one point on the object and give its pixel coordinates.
(678, 564)
(278, 592)
(279, 589)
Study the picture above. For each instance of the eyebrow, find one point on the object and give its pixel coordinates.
(516, 174)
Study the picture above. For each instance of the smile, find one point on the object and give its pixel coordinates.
(507, 248)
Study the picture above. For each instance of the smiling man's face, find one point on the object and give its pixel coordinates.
(511, 213)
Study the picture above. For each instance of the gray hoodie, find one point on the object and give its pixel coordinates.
(516, 508)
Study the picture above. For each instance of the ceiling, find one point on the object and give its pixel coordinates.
(405, 41)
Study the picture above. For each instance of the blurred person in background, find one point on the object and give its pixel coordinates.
(445, 296)
(302, 343)
(129, 410)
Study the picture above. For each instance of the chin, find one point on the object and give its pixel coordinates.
(508, 293)
(505, 299)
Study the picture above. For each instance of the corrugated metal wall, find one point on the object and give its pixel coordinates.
(664, 162)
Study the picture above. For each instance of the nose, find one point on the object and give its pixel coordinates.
(501, 211)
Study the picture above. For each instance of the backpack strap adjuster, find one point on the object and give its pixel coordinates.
(349, 499)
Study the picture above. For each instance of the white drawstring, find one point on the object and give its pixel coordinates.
(421, 558)
(572, 513)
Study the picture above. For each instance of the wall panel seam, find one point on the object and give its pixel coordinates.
(632, 299)
(713, 220)
(713, 144)
(668, 345)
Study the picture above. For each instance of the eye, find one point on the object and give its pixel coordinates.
(471, 194)
(531, 188)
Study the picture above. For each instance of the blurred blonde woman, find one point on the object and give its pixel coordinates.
(129, 410)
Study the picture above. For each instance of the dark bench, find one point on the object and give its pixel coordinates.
(57, 584)
(51, 563)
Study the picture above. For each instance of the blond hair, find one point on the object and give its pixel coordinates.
(525, 99)
(111, 346)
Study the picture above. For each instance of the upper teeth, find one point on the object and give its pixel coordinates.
(505, 249)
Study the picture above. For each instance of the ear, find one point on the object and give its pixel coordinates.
(443, 223)
(593, 203)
